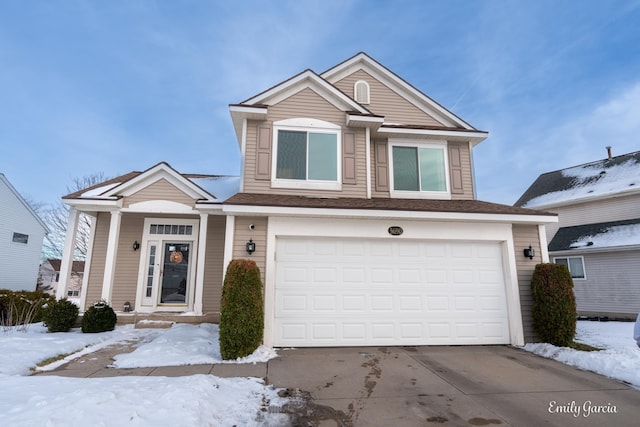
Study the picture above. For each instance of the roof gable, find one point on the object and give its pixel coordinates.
(602, 178)
(364, 62)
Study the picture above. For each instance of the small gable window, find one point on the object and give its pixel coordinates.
(20, 238)
(419, 169)
(306, 154)
(361, 92)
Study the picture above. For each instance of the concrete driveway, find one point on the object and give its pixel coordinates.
(415, 386)
(459, 386)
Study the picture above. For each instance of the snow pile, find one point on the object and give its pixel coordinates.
(618, 359)
(197, 400)
(591, 181)
(185, 344)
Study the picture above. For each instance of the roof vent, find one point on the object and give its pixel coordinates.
(608, 151)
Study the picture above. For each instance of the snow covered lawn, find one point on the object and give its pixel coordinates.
(618, 359)
(198, 400)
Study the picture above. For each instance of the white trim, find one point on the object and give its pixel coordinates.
(159, 207)
(243, 153)
(384, 214)
(419, 194)
(229, 235)
(413, 230)
(542, 236)
(112, 252)
(202, 251)
(473, 137)
(66, 264)
(307, 125)
(367, 150)
(87, 262)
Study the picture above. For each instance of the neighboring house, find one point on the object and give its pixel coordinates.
(357, 202)
(598, 233)
(50, 275)
(21, 235)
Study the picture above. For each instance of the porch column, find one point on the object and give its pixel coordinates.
(66, 265)
(202, 252)
(110, 261)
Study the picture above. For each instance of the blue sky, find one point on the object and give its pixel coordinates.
(97, 86)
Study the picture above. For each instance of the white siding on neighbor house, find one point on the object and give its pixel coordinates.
(20, 262)
(612, 285)
(612, 209)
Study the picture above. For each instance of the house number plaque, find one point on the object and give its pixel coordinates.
(395, 231)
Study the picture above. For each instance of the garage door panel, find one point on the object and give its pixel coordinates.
(378, 292)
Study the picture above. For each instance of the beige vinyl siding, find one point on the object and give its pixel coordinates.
(523, 236)
(305, 103)
(595, 211)
(159, 190)
(259, 236)
(386, 102)
(98, 257)
(214, 268)
(125, 279)
(612, 285)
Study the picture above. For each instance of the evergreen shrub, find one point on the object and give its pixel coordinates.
(554, 304)
(60, 316)
(100, 317)
(242, 310)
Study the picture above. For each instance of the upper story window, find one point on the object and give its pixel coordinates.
(361, 92)
(306, 154)
(575, 264)
(20, 238)
(419, 169)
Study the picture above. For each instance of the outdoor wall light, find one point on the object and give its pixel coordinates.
(136, 245)
(529, 252)
(251, 246)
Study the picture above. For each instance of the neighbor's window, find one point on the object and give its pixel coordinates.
(419, 168)
(307, 158)
(20, 238)
(575, 265)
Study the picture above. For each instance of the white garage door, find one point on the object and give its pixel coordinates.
(339, 292)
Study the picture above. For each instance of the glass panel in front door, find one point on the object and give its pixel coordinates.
(175, 273)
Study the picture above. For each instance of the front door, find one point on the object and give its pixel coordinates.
(167, 269)
(175, 273)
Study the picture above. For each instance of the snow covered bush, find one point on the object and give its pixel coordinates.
(100, 317)
(241, 310)
(554, 304)
(60, 316)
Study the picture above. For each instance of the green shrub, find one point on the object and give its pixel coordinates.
(22, 307)
(60, 316)
(100, 317)
(242, 310)
(554, 304)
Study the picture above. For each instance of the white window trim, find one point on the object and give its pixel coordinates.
(307, 125)
(367, 94)
(403, 194)
(584, 270)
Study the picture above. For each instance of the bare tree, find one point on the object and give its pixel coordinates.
(57, 217)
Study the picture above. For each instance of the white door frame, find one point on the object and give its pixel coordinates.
(150, 304)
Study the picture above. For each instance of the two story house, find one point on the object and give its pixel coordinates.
(598, 233)
(357, 201)
(21, 235)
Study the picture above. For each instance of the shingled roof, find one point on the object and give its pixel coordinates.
(600, 178)
(596, 236)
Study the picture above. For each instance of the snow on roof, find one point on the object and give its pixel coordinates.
(620, 235)
(592, 180)
(222, 187)
(94, 192)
